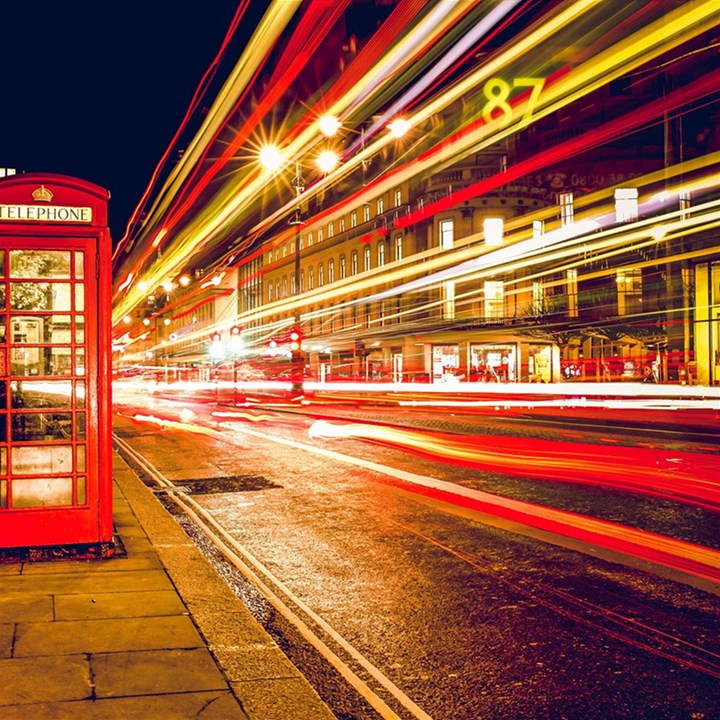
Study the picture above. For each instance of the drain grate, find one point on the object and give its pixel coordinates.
(227, 484)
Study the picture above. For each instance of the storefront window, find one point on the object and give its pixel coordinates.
(540, 363)
(446, 363)
(491, 362)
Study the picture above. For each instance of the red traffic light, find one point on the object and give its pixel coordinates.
(235, 330)
(216, 337)
(295, 339)
(272, 344)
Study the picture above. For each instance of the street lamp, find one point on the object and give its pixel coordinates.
(271, 159)
(297, 361)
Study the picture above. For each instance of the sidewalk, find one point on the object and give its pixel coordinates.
(152, 635)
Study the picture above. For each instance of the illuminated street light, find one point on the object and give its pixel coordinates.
(327, 161)
(329, 125)
(398, 127)
(271, 158)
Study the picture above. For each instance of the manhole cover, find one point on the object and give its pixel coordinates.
(227, 484)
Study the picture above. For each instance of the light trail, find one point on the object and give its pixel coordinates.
(686, 477)
(684, 557)
(228, 208)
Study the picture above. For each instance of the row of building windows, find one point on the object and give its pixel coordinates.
(280, 288)
(307, 239)
(493, 303)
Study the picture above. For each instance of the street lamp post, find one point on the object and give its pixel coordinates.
(297, 359)
(271, 158)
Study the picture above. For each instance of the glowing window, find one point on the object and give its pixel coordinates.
(493, 230)
(494, 292)
(447, 232)
(566, 208)
(626, 204)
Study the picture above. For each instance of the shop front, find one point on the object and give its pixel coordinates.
(445, 363)
(493, 362)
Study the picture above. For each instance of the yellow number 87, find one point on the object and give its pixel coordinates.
(497, 91)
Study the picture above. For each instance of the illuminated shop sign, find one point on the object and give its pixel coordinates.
(46, 213)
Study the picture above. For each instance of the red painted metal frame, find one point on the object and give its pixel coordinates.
(91, 523)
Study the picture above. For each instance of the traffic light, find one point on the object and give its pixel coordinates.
(297, 360)
(216, 337)
(235, 330)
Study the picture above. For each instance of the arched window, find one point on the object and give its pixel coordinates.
(311, 278)
(381, 254)
(331, 271)
(368, 261)
(343, 267)
(321, 275)
(354, 263)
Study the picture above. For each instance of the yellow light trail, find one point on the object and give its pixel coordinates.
(665, 33)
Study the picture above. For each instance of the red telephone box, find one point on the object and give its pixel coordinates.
(55, 374)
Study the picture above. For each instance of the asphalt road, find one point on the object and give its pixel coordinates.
(469, 617)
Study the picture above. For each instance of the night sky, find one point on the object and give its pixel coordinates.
(97, 88)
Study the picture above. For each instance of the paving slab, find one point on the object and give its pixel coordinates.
(216, 705)
(18, 607)
(116, 605)
(62, 678)
(74, 583)
(108, 635)
(155, 672)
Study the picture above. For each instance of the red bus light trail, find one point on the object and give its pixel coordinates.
(682, 477)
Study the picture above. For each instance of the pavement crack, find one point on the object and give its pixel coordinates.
(91, 675)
